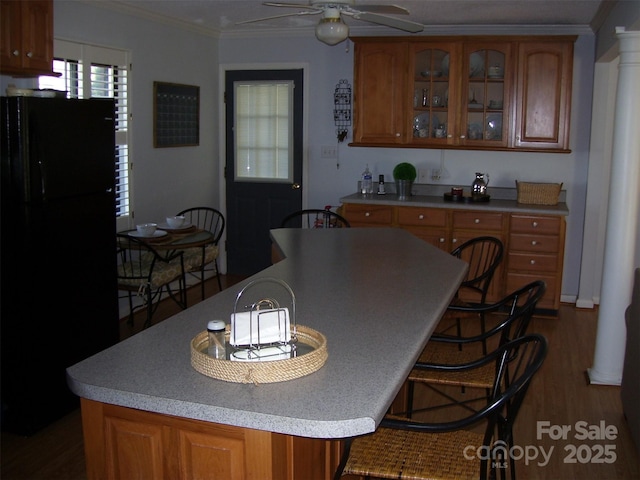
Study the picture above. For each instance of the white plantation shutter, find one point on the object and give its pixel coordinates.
(89, 71)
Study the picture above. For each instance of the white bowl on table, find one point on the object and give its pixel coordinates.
(175, 222)
(146, 229)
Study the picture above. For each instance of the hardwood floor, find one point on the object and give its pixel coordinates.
(560, 395)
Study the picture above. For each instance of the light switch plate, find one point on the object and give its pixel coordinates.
(328, 151)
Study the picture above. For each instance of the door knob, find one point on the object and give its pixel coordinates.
(295, 186)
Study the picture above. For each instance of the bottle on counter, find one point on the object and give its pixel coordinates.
(367, 182)
(216, 331)
(381, 185)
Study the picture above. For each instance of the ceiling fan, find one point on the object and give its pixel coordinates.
(331, 29)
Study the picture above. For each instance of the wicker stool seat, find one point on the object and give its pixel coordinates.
(443, 353)
(436, 363)
(402, 448)
(391, 453)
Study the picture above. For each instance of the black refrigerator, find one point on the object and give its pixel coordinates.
(59, 297)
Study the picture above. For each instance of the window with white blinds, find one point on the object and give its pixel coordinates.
(88, 71)
(263, 131)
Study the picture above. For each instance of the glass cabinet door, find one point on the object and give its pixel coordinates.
(433, 99)
(486, 76)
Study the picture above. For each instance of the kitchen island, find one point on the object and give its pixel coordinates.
(375, 294)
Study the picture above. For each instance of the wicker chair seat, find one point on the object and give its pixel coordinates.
(449, 354)
(135, 274)
(385, 454)
(193, 257)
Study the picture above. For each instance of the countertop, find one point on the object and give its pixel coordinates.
(502, 199)
(376, 297)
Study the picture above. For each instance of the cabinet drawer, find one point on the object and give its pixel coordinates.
(438, 237)
(550, 299)
(533, 243)
(532, 262)
(370, 215)
(430, 217)
(478, 220)
(535, 224)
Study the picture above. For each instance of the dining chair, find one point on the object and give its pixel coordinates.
(455, 447)
(197, 258)
(483, 254)
(145, 272)
(513, 315)
(314, 218)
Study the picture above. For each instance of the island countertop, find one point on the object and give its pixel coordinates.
(375, 294)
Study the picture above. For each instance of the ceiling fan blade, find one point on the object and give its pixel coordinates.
(383, 9)
(263, 19)
(289, 5)
(406, 25)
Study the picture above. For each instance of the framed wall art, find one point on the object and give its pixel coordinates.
(176, 115)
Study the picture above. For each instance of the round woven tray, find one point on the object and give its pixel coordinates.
(261, 372)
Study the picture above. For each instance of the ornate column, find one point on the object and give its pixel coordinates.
(622, 217)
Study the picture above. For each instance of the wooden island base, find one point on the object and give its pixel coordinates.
(122, 442)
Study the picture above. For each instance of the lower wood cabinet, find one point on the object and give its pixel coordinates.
(468, 224)
(370, 215)
(536, 252)
(534, 244)
(429, 224)
(127, 443)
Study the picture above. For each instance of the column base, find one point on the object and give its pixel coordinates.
(602, 378)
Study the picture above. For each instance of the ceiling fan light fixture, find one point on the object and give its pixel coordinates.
(331, 29)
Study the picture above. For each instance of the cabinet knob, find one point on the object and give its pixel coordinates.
(441, 239)
(532, 262)
(367, 214)
(535, 224)
(397, 134)
(421, 217)
(477, 220)
(533, 242)
(29, 54)
(463, 136)
(15, 53)
(455, 240)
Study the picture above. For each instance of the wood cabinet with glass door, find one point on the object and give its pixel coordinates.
(476, 92)
(26, 40)
(433, 90)
(487, 76)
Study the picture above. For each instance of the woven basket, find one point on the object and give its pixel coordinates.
(538, 193)
(261, 372)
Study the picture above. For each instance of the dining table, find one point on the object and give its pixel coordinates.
(172, 239)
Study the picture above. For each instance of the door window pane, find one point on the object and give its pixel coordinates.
(263, 131)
